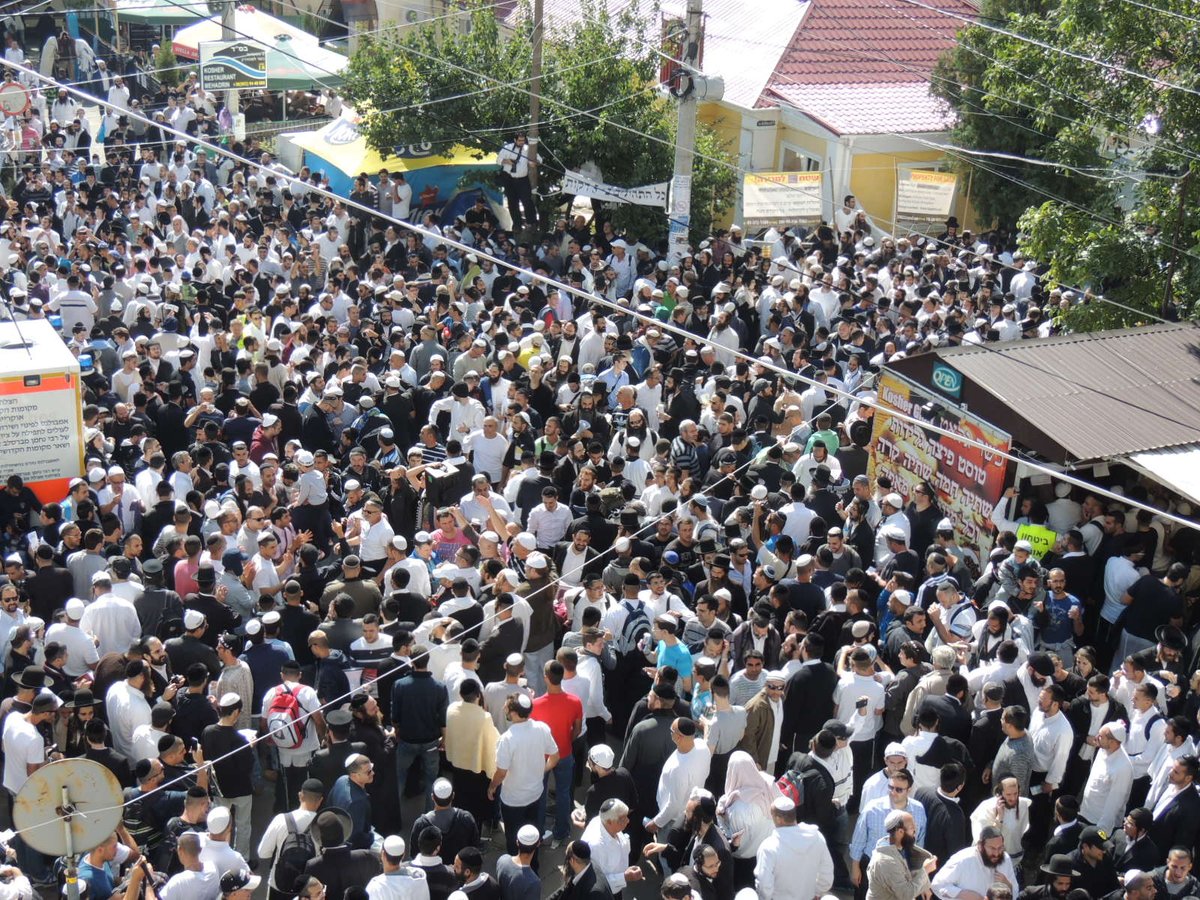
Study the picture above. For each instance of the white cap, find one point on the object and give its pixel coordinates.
(903, 597)
(895, 748)
(603, 756)
(218, 819)
(1118, 731)
(777, 675)
(75, 608)
(193, 619)
(228, 700)
(514, 659)
(353, 759)
(270, 420)
(96, 474)
(305, 458)
(622, 544)
(894, 500)
(537, 561)
(253, 627)
(352, 485)
(783, 805)
(758, 492)
(526, 540)
(400, 543)
(894, 820)
(393, 845)
(528, 836)
(443, 789)
(271, 618)
(101, 577)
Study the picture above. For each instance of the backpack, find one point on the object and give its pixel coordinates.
(297, 849)
(637, 625)
(794, 785)
(284, 719)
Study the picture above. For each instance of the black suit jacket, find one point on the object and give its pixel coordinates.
(592, 563)
(505, 639)
(1079, 714)
(590, 886)
(987, 735)
(946, 829)
(807, 705)
(1143, 854)
(1066, 841)
(1179, 822)
(953, 719)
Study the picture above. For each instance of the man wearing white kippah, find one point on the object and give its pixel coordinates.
(793, 863)
(1102, 802)
(398, 881)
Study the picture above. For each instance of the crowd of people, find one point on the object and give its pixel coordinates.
(457, 569)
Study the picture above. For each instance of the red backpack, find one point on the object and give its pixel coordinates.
(285, 719)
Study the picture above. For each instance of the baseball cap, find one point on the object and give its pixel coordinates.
(239, 880)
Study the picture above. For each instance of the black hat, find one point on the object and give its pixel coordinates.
(838, 729)
(1060, 864)
(82, 699)
(1041, 663)
(238, 880)
(1094, 837)
(31, 678)
(1171, 637)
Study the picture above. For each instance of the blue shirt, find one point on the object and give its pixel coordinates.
(353, 799)
(676, 656)
(99, 880)
(869, 828)
(1060, 627)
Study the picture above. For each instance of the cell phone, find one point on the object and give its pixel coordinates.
(861, 704)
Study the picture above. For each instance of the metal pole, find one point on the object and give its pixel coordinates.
(685, 137)
(228, 34)
(535, 93)
(72, 867)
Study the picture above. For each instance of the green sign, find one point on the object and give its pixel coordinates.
(1042, 539)
(947, 380)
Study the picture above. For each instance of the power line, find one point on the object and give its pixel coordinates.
(662, 326)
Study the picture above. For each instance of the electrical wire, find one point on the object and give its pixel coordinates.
(649, 320)
(1165, 12)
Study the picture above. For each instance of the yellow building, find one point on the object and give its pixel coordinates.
(839, 87)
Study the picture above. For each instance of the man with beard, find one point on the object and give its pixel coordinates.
(1060, 874)
(1023, 689)
(1008, 813)
(899, 869)
(697, 828)
(970, 872)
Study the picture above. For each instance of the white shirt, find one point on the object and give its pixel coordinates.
(522, 752)
(965, 871)
(202, 885)
(272, 840)
(610, 853)
(794, 864)
(1107, 790)
(680, 773)
(221, 856)
(1051, 744)
(849, 688)
(23, 747)
(81, 650)
(549, 526)
(114, 621)
(487, 454)
(127, 708)
(1142, 750)
(588, 670)
(307, 698)
(406, 883)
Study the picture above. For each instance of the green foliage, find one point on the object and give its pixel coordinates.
(1098, 229)
(167, 64)
(419, 87)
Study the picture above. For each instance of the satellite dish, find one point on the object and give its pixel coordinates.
(81, 789)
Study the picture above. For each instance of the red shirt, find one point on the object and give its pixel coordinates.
(560, 712)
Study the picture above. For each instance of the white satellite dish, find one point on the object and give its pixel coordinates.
(68, 807)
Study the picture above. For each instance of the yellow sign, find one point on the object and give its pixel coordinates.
(782, 198)
(1042, 539)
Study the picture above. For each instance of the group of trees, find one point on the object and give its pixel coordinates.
(1102, 97)
(466, 80)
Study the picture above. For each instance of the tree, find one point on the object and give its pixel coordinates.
(1108, 213)
(422, 87)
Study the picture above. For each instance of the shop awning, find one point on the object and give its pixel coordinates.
(1178, 468)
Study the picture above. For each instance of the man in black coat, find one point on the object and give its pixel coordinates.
(459, 829)
(585, 881)
(1079, 714)
(329, 763)
(1068, 828)
(987, 736)
(339, 867)
(649, 747)
(506, 638)
(1094, 863)
(808, 702)
(954, 719)
(1141, 851)
(1176, 824)
(946, 826)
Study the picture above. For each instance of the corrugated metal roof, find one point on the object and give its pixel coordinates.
(1099, 395)
(1178, 467)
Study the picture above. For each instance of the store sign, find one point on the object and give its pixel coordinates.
(947, 380)
(232, 65)
(968, 481)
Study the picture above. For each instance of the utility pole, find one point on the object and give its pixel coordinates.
(535, 94)
(685, 132)
(228, 34)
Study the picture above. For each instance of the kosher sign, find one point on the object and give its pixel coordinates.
(925, 195)
(647, 195)
(968, 481)
(782, 198)
(232, 65)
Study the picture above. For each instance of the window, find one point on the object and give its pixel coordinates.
(797, 160)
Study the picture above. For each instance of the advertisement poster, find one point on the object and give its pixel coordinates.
(968, 481)
(232, 65)
(925, 195)
(782, 198)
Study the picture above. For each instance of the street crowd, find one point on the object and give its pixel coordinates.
(496, 590)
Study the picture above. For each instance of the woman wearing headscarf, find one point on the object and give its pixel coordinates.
(744, 813)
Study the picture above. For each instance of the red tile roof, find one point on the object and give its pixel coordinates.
(904, 107)
(869, 41)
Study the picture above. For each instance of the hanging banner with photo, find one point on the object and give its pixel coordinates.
(923, 197)
(968, 481)
(782, 198)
